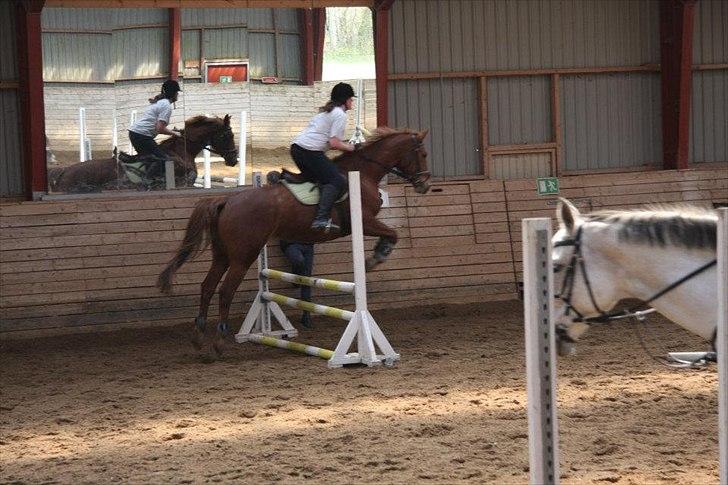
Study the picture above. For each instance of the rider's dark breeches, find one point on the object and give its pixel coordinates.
(318, 168)
(145, 145)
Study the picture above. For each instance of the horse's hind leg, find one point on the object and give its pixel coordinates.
(227, 291)
(214, 275)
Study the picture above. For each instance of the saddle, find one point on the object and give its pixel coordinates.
(304, 190)
(139, 168)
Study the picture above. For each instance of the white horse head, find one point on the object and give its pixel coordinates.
(604, 257)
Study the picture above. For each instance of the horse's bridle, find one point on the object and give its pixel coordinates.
(417, 178)
(567, 289)
(225, 153)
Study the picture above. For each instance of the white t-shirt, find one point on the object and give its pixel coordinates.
(147, 123)
(322, 127)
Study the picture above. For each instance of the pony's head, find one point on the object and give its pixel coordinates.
(584, 280)
(216, 134)
(407, 154)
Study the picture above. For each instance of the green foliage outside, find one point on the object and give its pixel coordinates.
(349, 38)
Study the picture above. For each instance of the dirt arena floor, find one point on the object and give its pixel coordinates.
(138, 406)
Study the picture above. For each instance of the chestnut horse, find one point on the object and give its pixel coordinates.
(238, 226)
(199, 132)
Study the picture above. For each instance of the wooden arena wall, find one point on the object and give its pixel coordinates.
(94, 261)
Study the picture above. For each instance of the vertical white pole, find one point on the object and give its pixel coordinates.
(82, 134)
(132, 119)
(241, 149)
(207, 183)
(263, 325)
(543, 442)
(721, 342)
(114, 133)
(357, 242)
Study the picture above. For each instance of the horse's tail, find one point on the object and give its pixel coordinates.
(202, 226)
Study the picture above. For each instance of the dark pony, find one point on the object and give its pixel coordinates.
(105, 174)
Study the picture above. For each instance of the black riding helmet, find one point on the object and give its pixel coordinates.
(170, 87)
(341, 93)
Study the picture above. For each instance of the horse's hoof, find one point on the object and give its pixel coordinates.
(219, 346)
(197, 338)
(371, 263)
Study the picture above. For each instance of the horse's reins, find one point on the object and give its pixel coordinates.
(567, 289)
(415, 179)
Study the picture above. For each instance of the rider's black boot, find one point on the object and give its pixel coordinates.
(322, 221)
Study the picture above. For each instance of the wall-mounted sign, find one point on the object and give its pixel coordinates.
(547, 186)
(270, 80)
(226, 79)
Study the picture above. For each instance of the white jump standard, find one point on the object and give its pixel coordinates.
(257, 326)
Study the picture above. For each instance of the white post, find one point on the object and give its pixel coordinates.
(358, 136)
(241, 148)
(357, 242)
(114, 133)
(132, 119)
(721, 342)
(543, 443)
(82, 134)
(207, 182)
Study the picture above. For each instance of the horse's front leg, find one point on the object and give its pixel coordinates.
(387, 240)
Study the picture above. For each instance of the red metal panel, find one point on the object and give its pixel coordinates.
(381, 63)
(676, 49)
(175, 43)
(307, 53)
(30, 64)
(319, 30)
(239, 72)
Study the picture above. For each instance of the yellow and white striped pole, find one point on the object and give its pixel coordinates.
(308, 306)
(298, 347)
(343, 286)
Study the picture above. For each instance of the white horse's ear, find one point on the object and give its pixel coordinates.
(567, 214)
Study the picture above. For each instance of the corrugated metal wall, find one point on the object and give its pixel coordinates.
(11, 155)
(104, 45)
(709, 104)
(473, 35)
(268, 38)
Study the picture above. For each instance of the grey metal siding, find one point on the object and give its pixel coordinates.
(11, 154)
(709, 102)
(141, 53)
(446, 108)
(611, 121)
(289, 56)
(710, 36)
(102, 45)
(214, 17)
(709, 117)
(262, 55)
(479, 35)
(226, 43)
(460, 35)
(519, 110)
(78, 57)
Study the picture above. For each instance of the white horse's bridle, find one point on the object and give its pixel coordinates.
(567, 290)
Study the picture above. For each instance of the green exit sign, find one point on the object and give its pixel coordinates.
(226, 79)
(547, 186)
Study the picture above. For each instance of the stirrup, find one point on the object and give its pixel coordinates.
(325, 226)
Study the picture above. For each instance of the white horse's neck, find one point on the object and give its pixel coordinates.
(640, 270)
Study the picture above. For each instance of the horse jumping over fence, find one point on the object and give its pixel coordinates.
(199, 132)
(238, 226)
(664, 256)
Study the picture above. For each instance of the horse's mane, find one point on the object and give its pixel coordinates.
(379, 134)
(383, 132)
(686, 226)
(195, 120)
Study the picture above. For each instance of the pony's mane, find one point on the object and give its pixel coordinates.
(686, 226)
(385, 132)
